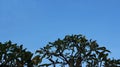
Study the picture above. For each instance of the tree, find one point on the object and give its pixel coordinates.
(12, 55)
(71, 51)
(76, 51)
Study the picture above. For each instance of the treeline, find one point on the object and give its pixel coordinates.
(71, 51)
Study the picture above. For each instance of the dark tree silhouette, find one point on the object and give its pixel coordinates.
(71, 51)
(12, 55)
(76, 51)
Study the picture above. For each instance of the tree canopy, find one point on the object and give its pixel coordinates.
(71, 51)
(77, 51)
(12, 55)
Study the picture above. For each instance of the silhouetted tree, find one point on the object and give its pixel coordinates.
(12, 55)
(71, 51)
(76, 51)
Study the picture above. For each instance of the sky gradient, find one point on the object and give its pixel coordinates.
(34, 23)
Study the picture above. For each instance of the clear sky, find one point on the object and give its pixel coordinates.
(34, 23)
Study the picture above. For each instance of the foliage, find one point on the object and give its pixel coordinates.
(71, 51)
(12, 55)
(76, 51)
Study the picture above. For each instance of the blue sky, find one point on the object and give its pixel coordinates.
(34, 23)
